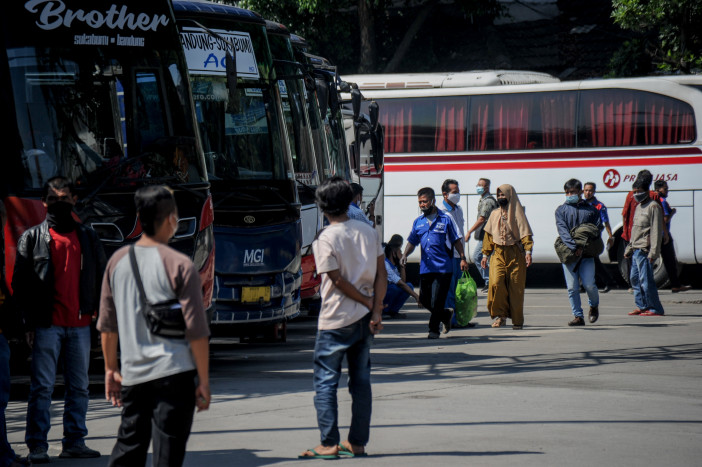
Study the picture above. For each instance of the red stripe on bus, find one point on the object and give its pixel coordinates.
(491, 165)
(511, 156)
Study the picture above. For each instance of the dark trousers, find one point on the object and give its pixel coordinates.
(434, 288)
(670, 261)
(161, 410)
(602, 276)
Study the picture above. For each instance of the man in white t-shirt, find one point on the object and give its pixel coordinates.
(349, 255)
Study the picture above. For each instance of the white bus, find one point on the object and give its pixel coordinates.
(537, 136)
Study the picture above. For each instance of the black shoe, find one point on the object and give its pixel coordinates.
(594, 314)
(447, 323)
(38, 455)
(605, 289)
(79, 451)
(484, 289)
(433, 335)
(682, 288)
(577, 321)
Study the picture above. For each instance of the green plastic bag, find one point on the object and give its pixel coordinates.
(466, 299)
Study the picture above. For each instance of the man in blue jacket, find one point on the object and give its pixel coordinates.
(571, 214)
(438, 235)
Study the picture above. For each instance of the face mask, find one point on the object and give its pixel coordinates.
(480, 190)
(503, 202)
(454, 197)
(572, 199)
(641, 197)
(428, 209)
(662, 195)
(59, 216)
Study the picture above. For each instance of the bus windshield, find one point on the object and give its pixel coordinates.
(73, 117)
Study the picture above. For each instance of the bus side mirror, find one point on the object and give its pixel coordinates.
(356, 103)
(373, 110)
(344, 86)
(322, 96)
(377, 146)
(333, 99)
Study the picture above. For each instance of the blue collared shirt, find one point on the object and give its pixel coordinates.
(393, 273)
(436, 239)
(355, 212)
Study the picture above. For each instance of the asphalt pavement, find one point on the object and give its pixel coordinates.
(622, 392)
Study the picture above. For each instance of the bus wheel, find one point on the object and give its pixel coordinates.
(660, 275)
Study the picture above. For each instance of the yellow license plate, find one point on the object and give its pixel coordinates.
(254, 294)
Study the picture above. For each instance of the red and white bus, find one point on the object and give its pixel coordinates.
(536, 136)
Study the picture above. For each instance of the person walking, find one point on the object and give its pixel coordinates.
(486, 206)
(161, 379)
(452, 196)
(602, 277)
(670, 260)
(398, 290)
(350, 258)
(508, 244)
(56, 284)
(570, 215)
(437, 235)
(644, 249)
(9, 327)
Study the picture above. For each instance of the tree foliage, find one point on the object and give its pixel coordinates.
(670, 32)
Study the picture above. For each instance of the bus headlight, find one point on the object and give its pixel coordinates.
(203, 247)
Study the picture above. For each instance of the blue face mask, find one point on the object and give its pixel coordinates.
(572, 199)
(480, 190)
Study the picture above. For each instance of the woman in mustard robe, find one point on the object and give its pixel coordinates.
(508, 242)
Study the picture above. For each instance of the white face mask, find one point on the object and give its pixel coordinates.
(454, 197)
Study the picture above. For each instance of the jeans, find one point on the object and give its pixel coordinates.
(161, 410)
(451, 296)
(395, 298)
(48, 346)
(582, 271)
(353, 342)
(643, 283)
(7, 455)
(477, 257)
(433, 289)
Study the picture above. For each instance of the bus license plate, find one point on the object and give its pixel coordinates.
(254, 294)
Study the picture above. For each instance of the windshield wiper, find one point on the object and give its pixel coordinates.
(237, 193)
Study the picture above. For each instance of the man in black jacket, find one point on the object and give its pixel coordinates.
(56, 283)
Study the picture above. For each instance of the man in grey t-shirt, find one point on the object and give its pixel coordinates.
(486, 205)
(162, 380)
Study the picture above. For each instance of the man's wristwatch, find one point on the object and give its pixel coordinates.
(463, 258)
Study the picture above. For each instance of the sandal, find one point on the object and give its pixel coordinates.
(316, 455)
(344, 451)
(499, 321)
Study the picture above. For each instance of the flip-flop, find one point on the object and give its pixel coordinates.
(317, 455)
(344, 451)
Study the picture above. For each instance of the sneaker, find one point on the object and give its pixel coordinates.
(577, 321)
(517, 326)
(593, 314)
(682, 288)
(433, 335)
(79, 451)
(484, 289)
(605, 289)
(38, 455)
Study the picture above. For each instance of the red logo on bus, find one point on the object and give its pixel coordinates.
(611, 178)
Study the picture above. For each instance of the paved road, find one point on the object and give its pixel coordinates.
(622, 392)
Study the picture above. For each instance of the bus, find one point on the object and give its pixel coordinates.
(537, 134)
(98, 92)
(241, 124)
(309, 146)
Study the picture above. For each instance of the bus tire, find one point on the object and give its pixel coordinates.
(660, 275)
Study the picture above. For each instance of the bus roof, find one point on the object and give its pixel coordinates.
(206, 8)
(449, 79)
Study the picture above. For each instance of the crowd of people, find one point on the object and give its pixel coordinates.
(62, 283)
(503, 251)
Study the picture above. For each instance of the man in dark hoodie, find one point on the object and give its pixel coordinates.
(56, 283)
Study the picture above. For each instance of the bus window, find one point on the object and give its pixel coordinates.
(616, 117)
(151, 122)
(424, 125)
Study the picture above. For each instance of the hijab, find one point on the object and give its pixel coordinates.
(514, 222)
